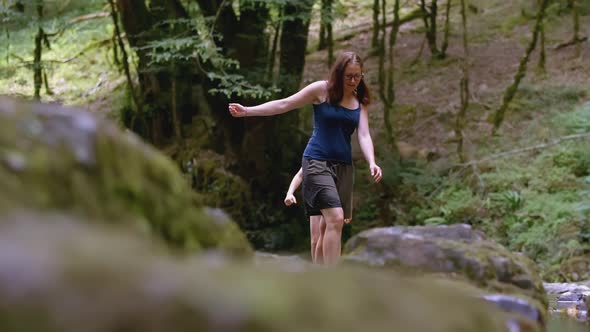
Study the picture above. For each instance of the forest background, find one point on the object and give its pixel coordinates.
(480, 110)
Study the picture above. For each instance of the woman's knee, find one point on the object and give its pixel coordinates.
(335, 222)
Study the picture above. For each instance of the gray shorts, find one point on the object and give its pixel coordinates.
(327, 184)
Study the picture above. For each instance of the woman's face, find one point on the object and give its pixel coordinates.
(353, 74)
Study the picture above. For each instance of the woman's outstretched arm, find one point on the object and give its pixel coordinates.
(310, 94)
(366, 144)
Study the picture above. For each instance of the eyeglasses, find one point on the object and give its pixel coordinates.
(356, 77)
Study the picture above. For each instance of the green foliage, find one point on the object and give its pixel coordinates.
(234, 85)
(77, 66)
(454, 204)
(367, 212)
(576, 159)
(536, 203)
(509, 201)
(531, 98)
(577, 121)
(511, 22)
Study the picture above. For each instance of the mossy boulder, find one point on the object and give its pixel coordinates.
(61, 159)
(268, 226)
(70, 276)
(457, 251)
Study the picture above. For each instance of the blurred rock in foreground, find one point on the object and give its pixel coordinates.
(69, 276)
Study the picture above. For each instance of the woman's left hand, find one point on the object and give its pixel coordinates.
(376, 172)
(237, 110)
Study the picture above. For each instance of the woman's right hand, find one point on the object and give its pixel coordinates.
(290, 200)
(237, 110)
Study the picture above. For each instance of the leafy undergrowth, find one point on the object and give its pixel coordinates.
(536, 202)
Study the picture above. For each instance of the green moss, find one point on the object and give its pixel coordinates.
(50, 163)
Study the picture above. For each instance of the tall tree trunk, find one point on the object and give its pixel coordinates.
(272, 55)
(445, 43)
(387, 96)
(576, 22)
(386, 76)
(7, 33)
(464, 88)
(376, 27)
(293, 44)
(429, 18)
(136, 21)
(323, 25)
(329, 36)
(541, 67)
(542, 55)
(173, 106)
(48, 90)
(521, 72)
(155, 80)
(125, 62)
(37, 65)
(292, 61)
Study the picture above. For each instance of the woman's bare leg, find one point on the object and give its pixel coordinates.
(334, 218)
(315, 234)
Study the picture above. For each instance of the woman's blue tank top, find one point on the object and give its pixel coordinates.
(332, 127)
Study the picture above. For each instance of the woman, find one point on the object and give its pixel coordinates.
(339, 107)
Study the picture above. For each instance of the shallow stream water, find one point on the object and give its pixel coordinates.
(563, 323)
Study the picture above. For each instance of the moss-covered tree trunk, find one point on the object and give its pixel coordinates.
(272, 55)
(576, 25)
(37, 53)
(445, 43)
(323, 24)
(521, 72)
(541, 65)
(144, 25)
(329, 35)
(387, 97)
(376, 27)
(243, 39)
(429, 16)
(124, 61)
(265, 151)
(464, 88)
(386, 74)
(292, 61)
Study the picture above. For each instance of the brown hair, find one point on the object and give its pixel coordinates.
(336, 80)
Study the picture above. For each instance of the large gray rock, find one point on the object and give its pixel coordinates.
(457, 251)
(68, 276)
(61, 159)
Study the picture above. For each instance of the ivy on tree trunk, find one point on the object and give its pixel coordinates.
(521, 72)
(464, 88)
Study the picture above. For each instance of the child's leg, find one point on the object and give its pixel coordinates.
(315, 235)
(319, 252)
